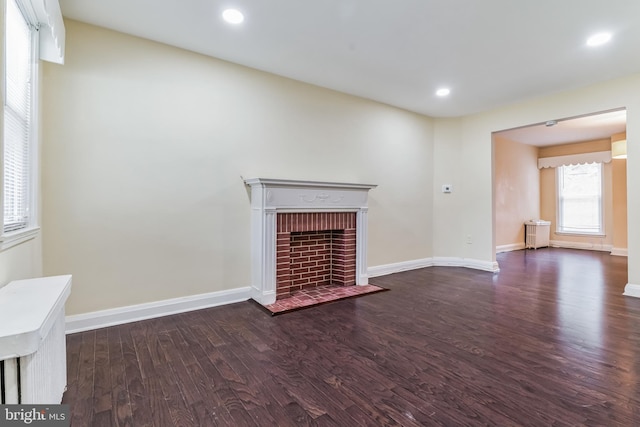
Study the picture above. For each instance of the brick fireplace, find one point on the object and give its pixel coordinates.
(314, 249)
(306, 234)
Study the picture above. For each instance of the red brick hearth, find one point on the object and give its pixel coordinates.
(314, 249)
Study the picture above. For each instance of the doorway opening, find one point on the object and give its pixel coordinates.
(526, 184)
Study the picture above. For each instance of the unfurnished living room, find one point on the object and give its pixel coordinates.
(334, 213)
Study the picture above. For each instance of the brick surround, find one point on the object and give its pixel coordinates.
(314, 249)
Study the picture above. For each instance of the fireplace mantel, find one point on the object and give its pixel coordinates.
(271, 196)
(303, 196)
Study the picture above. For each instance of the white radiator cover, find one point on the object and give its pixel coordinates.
(537, 234)
(32, 340)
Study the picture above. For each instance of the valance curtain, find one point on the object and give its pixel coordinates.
(51, 30)
(574, 159)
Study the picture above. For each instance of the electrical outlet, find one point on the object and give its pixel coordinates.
(469, 239)
(447, 188)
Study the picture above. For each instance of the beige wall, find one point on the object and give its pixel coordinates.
(517, 190)
(463, 156)
(145, 147)
(549, 197)
(447, 230)
(23, 261)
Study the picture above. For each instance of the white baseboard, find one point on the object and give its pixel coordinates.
(383, 270)
(133, 313)
(580, 245)
(619, 251)
(511, 247)
(476, 264)
(632, 290)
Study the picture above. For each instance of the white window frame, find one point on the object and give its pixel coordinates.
(10, 239)
(559, 228)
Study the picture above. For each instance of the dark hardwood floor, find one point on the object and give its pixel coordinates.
(550, 340)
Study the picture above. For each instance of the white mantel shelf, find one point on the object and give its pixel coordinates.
(270, 196)
(307, 196)
(302, 184)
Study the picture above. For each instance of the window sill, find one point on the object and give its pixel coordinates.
(570, 233)
(14, 238)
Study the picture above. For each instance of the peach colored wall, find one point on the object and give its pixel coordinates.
(517, 191)
(548, 197)
(575, 148)
(619, 173)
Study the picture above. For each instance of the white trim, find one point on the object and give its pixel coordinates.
(559, 207)
(383, 270)
(632, 290)
(580, 245)
(475, 264)
(619, 252)
(51, 31)
(133, 313)
(257, 294)
(15, 238)
(574, 159)
(511, 247)
(307, 184)
(579, 234)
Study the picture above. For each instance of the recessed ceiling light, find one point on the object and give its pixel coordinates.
(598, 39)
(233, 16)
(443, 92)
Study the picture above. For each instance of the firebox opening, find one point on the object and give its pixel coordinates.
(309, 256)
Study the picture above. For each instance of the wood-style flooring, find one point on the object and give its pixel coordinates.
(549, 340)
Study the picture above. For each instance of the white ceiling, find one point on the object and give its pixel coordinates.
(489, 52)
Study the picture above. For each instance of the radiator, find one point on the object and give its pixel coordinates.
(33, 367)
(536, 234)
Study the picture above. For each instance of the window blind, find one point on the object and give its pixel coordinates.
(580, 199)
(17, 119)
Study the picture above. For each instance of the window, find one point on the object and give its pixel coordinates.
(580, 199)
(18, 142)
